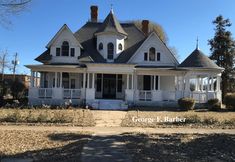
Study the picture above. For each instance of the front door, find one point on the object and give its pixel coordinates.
(109, 86)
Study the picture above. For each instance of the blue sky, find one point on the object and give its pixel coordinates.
(182, 20)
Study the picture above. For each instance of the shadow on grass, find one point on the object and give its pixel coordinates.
(139, 147)
(181, 147)
(68, 152)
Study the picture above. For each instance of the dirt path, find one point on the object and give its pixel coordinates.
(108, 118)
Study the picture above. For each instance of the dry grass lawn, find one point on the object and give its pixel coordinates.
(42, 145)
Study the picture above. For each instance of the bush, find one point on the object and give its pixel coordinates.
(230, 101)
(186, 103)
(192, 119)
(214, 104)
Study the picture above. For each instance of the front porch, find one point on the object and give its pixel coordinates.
(136, 87)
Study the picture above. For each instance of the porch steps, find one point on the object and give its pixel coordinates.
(109, 104)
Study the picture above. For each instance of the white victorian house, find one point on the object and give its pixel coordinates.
(111, 65)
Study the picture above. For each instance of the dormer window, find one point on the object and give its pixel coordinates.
(65, 48)
(100, 46)
(110, 51)
(57, 51)
(152, 52)
(120, 46)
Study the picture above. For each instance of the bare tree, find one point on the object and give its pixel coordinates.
(9, 8)
(4, 63)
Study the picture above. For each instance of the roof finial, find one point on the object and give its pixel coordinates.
(197, 44)
(111, 8)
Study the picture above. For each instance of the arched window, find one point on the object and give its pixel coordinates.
(120, 46)
(65, 48)
(152, 52)
(110, 51)
(100, 46)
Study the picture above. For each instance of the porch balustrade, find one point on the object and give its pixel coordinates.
(72, 93)
(45, 92)
(145, 95)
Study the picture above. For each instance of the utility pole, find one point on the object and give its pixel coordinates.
(15, 62)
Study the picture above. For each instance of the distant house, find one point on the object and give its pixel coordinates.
(110, 65)
(25, 79)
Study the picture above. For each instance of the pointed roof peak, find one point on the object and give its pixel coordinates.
(111, 24)
(111, 9)
(197, 46)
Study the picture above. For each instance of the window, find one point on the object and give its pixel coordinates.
(65, 48)
(100, 46)
(65, 80)
(119, 83)
(57, 51)
(147, 82)
(110, 51)
(152, 54)
(72, 84)
(158, 56)
(72, 52)
(145, 56)
(99, 82)
(120, 46)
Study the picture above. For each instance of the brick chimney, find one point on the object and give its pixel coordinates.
(145, 27)
(94, 13)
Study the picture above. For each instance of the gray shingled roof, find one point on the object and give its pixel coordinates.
(88, 41)
(198, 60)
(111, 24)
(44, 57)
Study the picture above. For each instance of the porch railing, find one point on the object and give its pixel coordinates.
(145, 95)
(45, 92)
(72, 93)
(200, 97)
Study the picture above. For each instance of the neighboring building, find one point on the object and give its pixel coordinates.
(25, 79)
(111, 65)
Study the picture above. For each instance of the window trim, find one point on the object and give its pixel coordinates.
(101, 46)
(110, 51)
(58, 51)
(152, 51)
(72, 54)
(65, 48)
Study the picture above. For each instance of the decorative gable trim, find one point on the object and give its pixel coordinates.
(64, 27)
(149, 36)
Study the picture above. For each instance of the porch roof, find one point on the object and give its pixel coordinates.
(57, 67)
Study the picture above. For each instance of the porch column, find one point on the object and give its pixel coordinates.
(201, 84)
(132, 81)
(127, 81)
(218, 83)
(187, 86)
(88, 80)
(84, 81)
(32, 79)
(212, 83)
(61, 79)
(154, 82)
(93, 80)
(208, 83)
(197, 84)
(56, 79)
(159, 82)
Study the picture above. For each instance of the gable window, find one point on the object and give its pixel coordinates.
(120, 46)
(110, 51)
(65, 48)
(100, 46)
(72, 52)
(158, 56)
(57, 51)
(152, 52)
(145, 56)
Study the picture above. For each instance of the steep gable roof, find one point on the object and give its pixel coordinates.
(111, 25)
(44, 57)
(64, 27)
(197, 59)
